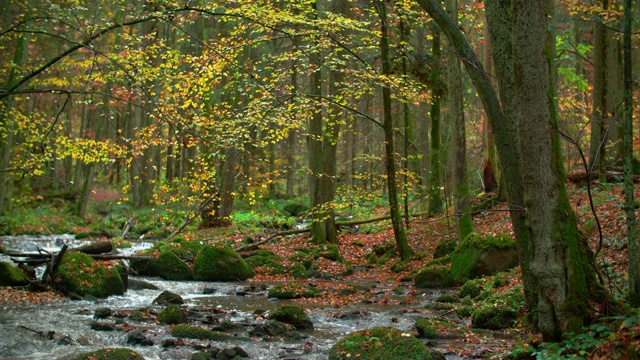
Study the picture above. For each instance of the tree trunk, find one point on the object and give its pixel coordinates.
(7, 123)
(402, 244)
(435, 166)
(560, 260)
(461, 200)
(597, 144)
(632, 234)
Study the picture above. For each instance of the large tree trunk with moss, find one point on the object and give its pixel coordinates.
(632, 235)
(560, 260)
(461, 201)
(558, 269)
(400, 235)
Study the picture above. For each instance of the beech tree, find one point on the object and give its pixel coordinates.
(559, 270)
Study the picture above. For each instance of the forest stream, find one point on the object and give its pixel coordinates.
(64, 329)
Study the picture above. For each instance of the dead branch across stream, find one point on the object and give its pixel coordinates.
(339, 224)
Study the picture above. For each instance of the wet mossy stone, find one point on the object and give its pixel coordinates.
(330, 252)
(12, 276)
(479, 255)
(167, 298)
(195, 332)
(170, 267)
(172, 314)
(379, 343)
(293, 315)
(471, 289)
(220, 263)
(266, 259)
(499, 311)
(80, 275)
(444, 248)
(110, 354)
(427, 329)
(433, 278)
(275, 329)
(448, 298)
(292, 291)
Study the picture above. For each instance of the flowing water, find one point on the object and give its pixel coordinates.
(25, 329)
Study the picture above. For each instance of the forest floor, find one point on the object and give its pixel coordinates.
(424, 234)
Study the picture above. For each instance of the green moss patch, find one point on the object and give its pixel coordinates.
(170, 267)
(293, 315)
(110, 354)
(220, 263)
(194, 332)
(79, 274)
(433, 278)
(12, 276)
(379, 343)
(479, 255)
(172, 314)
(499, 311)
(292, 291)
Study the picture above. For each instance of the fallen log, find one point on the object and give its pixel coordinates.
(98, 247)
(94, 256)
(339, 224)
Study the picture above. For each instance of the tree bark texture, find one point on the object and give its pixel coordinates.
(400, 235)
(435, 166)
(559, 258)
(461, 200)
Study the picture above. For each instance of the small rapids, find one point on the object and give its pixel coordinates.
(63, 330)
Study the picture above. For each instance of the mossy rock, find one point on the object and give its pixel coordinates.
(12, 276)
(220, 263)
(330, 252)
(110, 354)
(448, 298)
(80, 275)
(296, 208)
(433, 278)
(470, 288)
(170, 267)
(195, 332)
(499, 311)
(444, 247)
(379, 343)
(479, 255)
(168, 298)
(270, 262)
(292, 291)
(293, 315)
(172, 314)
(427, 329)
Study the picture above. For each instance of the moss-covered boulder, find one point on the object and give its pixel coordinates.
(479, 255)
(220, 263)
(444, 248)
(168, 260)
(110, 354)
(195, 332)
(433, 278)
(79, 274)
(379, 343)
(172, 314)
(499, 311)
(269, 262)
(168, 298)
(12, 276)
(170, 267)
(292, 291)
(471, 289)
(293, 315)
